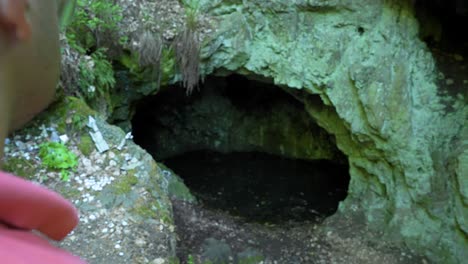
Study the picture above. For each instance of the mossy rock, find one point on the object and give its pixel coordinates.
(86, 145)
(124, 184)
(20, 167)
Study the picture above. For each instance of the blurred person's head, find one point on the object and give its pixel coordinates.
(29, 60)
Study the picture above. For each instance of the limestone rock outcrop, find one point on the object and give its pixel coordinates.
(379, 98)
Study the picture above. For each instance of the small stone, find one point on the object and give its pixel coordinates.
(158, 261)
(121, 254)
(86, 162)
(140, 242)
(117, 246)
(64, 139)
(20, 145)
(54, 137)
(105, 230)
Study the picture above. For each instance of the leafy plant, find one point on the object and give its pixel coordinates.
(192, 10)
(57, 156)
(94, 25)
(93, 21)
(190, 259)
(97, 75)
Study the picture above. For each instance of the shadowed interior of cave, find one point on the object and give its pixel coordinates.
(209, 140)
(442, 23)
(442, 26)
(263, 187)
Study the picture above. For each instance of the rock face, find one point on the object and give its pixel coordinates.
(122, 194)
(376, 81)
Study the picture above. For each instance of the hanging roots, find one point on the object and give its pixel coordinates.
(187, 50)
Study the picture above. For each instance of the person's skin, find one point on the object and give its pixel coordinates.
(29, 71)
(29, 60)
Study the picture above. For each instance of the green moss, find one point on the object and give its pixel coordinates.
(69, 114)
(251, 260)
(174, 260)
(145, 211)
(124, 185)
(69, 193)
(20, 167)
(178, 190)
(86, 145)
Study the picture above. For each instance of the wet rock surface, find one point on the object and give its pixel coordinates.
(366, 78)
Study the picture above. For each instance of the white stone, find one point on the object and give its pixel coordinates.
(64, 139)
(158, 261)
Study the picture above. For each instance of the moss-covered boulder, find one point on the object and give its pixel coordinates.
(122, 194)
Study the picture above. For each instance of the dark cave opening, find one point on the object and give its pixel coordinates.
(442, 27)
(204, 139)
(261, 187)
(442, 23)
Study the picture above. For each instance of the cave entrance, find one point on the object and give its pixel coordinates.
(245, 147)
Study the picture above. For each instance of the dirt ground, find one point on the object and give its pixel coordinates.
(212, 235)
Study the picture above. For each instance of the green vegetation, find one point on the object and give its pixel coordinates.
(97, 75)
(190, 259)
(192, 10)
(86, 145)
(57, 156)
(125, 184)
(20, 167)
(94, 27)
(94, 23)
